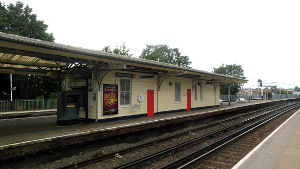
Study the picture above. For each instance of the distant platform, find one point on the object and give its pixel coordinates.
(29, 113)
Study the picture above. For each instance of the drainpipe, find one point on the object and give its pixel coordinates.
(157, 96)
(86, 100)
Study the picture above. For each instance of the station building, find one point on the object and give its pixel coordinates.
(111, 86)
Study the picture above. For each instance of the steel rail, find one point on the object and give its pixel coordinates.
(197, 155)
(137, 163)
(96, 159)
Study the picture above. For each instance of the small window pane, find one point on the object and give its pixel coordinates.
(127, 97)
(122, 84)
(127, 86)
(121, 98)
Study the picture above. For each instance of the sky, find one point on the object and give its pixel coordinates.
(261, 35)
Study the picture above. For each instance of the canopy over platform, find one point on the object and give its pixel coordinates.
(21, 55)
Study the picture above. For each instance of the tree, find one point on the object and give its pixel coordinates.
(121, 50)
(32, 86)
(297, 88)
(18, 20)
(27, 86)
(231, 70)
(107, 49)
(164, 53)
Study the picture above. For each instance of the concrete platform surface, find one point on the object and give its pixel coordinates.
(21, 130)
(281, 149)
(29, 113)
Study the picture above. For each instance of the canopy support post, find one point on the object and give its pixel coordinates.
(86, 100)
(11, 93)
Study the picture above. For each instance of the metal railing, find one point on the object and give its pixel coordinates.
(28, 104)
(268, 97)
(283, 96)
(226, 97)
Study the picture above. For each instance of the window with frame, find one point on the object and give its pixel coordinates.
(125, 92)
(177, 92)
(196, 94)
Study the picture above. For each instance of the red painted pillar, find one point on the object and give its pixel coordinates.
(188, 99)
(150, 102)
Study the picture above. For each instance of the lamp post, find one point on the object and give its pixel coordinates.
(260, 86)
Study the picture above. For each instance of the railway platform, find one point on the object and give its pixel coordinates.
(24, 136)
(29, 113)
(281, 149)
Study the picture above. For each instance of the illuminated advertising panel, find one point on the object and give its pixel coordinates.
(110, 99)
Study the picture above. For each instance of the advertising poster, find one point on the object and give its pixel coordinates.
(110, 99)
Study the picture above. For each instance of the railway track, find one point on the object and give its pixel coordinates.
(244, 118)
(192, 160)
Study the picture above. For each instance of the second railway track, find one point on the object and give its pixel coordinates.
(193, 159)
(152, 148)
(152, 160)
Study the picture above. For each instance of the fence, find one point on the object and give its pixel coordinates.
(283, 96)
(225, 97)
(273, 97)
(22, 105)
(251, 97)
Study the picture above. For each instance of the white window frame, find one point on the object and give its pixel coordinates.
(178, 101)
(130, 92)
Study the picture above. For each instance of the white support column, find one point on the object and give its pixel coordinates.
(11, 93)
(11, 88)
(95, 79)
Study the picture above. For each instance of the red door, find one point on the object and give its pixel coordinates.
(188, 99)
(150, 102)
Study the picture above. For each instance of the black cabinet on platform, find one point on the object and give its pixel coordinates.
(68, 104)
